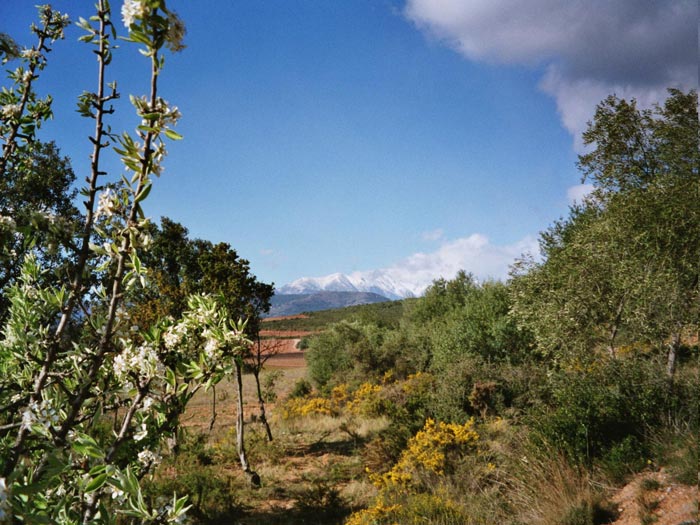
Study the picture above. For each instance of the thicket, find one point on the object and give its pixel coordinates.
(589, 354)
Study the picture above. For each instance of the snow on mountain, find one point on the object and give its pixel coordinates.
(411, 276)
(376, 281)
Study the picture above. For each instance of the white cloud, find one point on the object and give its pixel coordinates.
(412, 275)
(475, 254)
(576, 194)
(589, 48)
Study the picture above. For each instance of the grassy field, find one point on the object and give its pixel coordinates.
(311, 473)
(387, 314)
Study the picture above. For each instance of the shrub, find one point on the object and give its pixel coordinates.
(302, 388)
(604, 411)
(329, 353)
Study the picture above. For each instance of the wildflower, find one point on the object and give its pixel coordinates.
(131, 10)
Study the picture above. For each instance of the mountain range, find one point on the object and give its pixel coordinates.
(292, 304)
(377, 282)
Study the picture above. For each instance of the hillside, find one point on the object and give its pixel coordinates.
(385, 313)
(291, 304)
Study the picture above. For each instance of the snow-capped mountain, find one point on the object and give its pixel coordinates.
(376, 281)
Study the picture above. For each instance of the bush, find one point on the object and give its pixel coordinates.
(329, 353)
(191, 471)
(302, 388)
(604, 411)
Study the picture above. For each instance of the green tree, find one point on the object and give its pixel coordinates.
(36, 203)
(626, 262)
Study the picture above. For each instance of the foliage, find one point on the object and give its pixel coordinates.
(191, 472)
(625, 263)
(385, 314)
(38, 216)
(481, 326)
(402, 494)
(302, 388)
(603, 412)
(180, 266)
(90, 399)
(330, 353)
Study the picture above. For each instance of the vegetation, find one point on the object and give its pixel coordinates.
(481, 402)
(386, 314)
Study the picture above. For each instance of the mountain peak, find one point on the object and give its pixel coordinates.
(376, 281)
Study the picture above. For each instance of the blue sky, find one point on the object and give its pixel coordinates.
(327, 137)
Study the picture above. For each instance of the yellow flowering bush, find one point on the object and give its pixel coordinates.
(300, 407)
(427, 451)
(340, 396)
(413, 509)
(380, 512)
(365, 401)
(417, 383)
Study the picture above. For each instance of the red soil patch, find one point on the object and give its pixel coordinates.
(673, 503)
(285, 317)
(286, 333)
(283, 353)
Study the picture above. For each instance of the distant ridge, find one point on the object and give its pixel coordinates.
(292, 304)
(379, 282)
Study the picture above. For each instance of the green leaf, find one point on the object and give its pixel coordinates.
(173, 135)
(144, 192)
(96, 483)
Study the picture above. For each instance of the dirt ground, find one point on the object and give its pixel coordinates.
(659, 501)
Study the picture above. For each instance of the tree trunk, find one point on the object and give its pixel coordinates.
(673, 347)
(615, 328)
(240, 442)
(213, 408)
(261, 403)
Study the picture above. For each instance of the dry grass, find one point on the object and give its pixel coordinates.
(548, 490)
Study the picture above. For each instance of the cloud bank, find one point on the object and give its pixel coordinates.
(475, 254)
(588, 48)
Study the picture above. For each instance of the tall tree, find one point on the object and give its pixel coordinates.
(628, 259)
(37, 214)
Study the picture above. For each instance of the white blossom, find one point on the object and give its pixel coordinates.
(30, 54)
(142, 362)
(117, 493)
(211, 347)
(42, 414)
(10, 111)
(7, 222)
(133, 9)
(148, 402)
(106, 205)
(148, 458)
(142, 433)
(28, 418)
